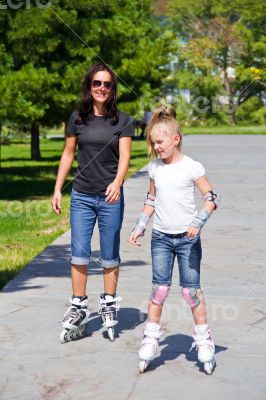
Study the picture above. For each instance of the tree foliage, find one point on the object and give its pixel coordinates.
(216, 38)
(45, 53)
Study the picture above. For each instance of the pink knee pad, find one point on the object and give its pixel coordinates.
(192, 296)
(159, 294)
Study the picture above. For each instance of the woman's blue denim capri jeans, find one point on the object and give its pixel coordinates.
(164, 248)
(84, 210)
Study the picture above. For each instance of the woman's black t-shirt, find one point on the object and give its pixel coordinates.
(98, 150)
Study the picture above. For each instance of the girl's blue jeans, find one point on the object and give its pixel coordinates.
(164, 249)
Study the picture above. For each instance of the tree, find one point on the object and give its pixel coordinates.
(225, 42)
(51, 49)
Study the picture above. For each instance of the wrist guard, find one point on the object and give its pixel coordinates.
(200, 220)
(141, 224)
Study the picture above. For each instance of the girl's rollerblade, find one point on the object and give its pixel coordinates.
(75, 319)
(205, 347)
(149, 345)
(108, 312)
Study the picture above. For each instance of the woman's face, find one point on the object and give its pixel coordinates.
(101, 86)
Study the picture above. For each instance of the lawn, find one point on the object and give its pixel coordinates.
(225, 130)
(27, 224)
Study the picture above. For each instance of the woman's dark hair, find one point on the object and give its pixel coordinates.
(85, 109)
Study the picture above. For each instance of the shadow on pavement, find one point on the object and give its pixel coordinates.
(54, 262)
(175, 345)
(129, 319)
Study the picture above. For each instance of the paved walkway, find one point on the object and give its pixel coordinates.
(33, 363)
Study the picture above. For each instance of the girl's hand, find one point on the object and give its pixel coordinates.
(113, 192)
(135, 236)
(56, 201)
(192, 232)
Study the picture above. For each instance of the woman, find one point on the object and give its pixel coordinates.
(103, 135)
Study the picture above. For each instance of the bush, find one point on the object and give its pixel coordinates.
(253, 111)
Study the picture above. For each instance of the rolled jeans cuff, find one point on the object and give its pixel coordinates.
(109, 263)
(80, 261)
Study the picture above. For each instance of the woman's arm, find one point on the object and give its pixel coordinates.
(63, 170)
(113, 190)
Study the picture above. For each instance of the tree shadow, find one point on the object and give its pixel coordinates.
(27, 159)
(53, 262)
(175, 345)
(20, 183)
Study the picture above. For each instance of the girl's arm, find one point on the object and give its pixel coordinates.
(113, 190)
(211, 201)
(145, 215)
(63, 170)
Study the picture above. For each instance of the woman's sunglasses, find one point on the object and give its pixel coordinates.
(96, 84)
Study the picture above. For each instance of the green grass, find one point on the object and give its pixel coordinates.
(225, 130)
(27, 224)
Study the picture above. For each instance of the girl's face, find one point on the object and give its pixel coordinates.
(101, 86)
(164, 145)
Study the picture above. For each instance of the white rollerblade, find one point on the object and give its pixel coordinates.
(205, 347)
(75, 319)
(108, 312)
(149, 345)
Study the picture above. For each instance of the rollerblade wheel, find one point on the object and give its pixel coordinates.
(209, 366)
(143, 365)
(111, 334)
(82, 330)
(75, 334)
(64, 336)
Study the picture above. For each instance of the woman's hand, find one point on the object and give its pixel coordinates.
(192, 232)
(135, 236)
(56, 201)
(113, 192)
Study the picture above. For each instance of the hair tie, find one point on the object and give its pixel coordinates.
(162, 114)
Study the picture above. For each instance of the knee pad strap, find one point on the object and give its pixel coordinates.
(159, 294)
(192, 296)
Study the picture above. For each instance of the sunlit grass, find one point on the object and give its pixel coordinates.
(225, 130)
(27, 223)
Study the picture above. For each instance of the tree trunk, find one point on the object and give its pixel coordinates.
(231, 105)
(232, 115)
(35, 142)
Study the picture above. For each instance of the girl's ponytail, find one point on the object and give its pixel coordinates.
(166, 118)
(162, 113)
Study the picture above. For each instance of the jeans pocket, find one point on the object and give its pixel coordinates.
(156, 234)
(193, 239)
(114, 202)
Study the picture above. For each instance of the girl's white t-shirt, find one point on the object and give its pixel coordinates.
(175, 205)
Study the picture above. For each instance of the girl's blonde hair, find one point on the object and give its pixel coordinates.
(163, 118)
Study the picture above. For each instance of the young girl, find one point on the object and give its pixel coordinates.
(103, 136)
(176, 233)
